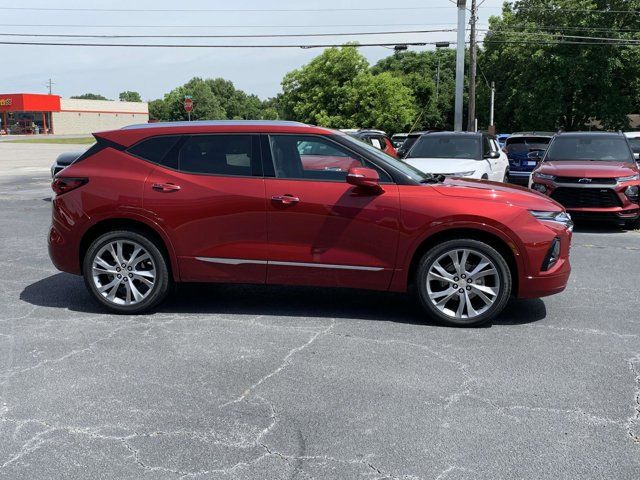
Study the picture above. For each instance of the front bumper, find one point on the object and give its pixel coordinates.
(546, 283)
(626, 209)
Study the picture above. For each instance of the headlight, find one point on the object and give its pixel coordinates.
(558, 217)
(628, 179)
(545, 176)
(462, 174)
(632, 192)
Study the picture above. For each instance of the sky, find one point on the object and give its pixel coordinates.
(155, 71)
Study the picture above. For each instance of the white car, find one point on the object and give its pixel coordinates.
(459, 154)
(634, 141)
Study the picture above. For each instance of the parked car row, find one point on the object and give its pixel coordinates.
(592, 174)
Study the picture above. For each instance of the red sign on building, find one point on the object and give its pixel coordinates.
(29, 102)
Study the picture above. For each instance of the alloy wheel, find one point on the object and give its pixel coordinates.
(123, 272)
(463, 283)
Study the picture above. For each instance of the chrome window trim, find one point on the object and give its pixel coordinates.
(243, 261)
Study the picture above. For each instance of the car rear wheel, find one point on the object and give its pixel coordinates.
(126, 272)
(463, 282)
(505, 179)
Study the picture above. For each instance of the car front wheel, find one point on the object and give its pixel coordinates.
(126, 272)
(463, 282)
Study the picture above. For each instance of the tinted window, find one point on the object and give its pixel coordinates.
(217, 155)
(313, 158)
(155, 149)
(526, 144)
(595, 148)
(446, 146)
(635, 144)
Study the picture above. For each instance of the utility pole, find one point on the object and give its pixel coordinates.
(457, 123)
(49, 85)
(493, 96)
(473, 54)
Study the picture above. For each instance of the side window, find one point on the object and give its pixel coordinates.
(314, 158)
(486, 147)
(156, 150)
(217, 155)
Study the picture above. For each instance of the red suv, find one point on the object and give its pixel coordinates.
(592, 174)
(246, 202)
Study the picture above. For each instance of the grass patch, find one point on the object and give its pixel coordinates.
(60, 141)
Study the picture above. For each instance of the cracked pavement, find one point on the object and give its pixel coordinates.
(244, 382)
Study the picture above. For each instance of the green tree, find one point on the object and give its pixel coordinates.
(337, 90)
(206, 105)
(419, 72)
(90, 96)
(543, 82)
(129, 96)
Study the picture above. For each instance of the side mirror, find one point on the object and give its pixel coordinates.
(366, 178)
(492, 155)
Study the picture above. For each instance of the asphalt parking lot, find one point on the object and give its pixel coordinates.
(241, 382)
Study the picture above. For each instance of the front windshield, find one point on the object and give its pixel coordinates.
(404, 168)
(449, 146)
(635, 144)
(589, 148)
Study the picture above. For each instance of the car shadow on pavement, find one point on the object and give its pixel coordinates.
(68, 292)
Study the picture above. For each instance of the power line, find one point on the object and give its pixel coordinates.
(216, 10)
(541, 42)
(173, 45)
(562, 35)
(318, 25)
(577, 10)
(279, 35)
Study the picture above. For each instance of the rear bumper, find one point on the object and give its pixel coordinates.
(519, 177)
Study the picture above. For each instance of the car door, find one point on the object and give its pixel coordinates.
(322, 230)
(491, 164)
(208, 194)
(502, 163)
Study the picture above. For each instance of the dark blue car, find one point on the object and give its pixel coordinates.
(517, 147)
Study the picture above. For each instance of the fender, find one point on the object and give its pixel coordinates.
(400, 278)
(138, 217)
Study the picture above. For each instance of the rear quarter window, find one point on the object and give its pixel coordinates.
(156, 150)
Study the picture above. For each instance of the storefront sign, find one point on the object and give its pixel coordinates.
(5, 102)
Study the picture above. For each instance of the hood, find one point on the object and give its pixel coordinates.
(443, 165)
(582, 169)
(497, 192)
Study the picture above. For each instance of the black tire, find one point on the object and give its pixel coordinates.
(506, 177)
(156, 293)
(498, 261)
(485, 177)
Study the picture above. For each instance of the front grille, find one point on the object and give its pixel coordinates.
(586, 197)
(593, 181)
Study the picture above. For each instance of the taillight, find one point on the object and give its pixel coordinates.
(62, 185)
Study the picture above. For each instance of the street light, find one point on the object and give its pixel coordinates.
(457, 124)
(439, 45)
